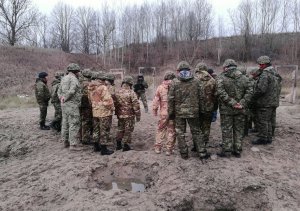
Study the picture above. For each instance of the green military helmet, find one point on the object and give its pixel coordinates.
(59, 74)
(128, 80)
(73, 67)
(169, 75)
(201, 66)
(100, 75)
(86, 73)
(110, 76)
(183, 65)
(263, 60)
(229, 62)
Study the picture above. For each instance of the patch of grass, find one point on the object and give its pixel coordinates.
(19, 101)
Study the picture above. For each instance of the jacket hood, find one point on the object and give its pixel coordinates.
(203, 75)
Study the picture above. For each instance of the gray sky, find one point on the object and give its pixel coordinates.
(45, 6)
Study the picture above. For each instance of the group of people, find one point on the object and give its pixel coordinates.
(85, 102)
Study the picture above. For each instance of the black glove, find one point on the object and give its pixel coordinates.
(171, 117)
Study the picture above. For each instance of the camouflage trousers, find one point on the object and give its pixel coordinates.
(70, 125)
(232, 132)
(101, 129)
(205, 122)
(165, 132)
(56, 122)
(197, 136)
(273, 120)
(86, 129)
(43, 113)
(266, 118)
(143, 98)
(125, 129)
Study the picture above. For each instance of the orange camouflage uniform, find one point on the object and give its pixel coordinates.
(165, 128)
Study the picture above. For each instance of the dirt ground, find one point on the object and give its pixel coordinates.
(37, 173)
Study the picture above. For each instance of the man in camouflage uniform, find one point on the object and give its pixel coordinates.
(127, 110)
(234, 93)
(140, 89)
(208, 85)
(43, 96)
(103, 107)
(215, 112)
(184, 106)
(266, 98)
(56, 123)
(69, 94)
(86, 114)
(166, 127)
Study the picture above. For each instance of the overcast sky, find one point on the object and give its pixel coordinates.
(220, 6)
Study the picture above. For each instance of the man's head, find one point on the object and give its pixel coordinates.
(263, 62)
(59, 74)
(200, 67)
(127, 80)
(169, 75)
(74, 68)
(210, 71)
(43, 76)
(229, 63)
(86, 73)
(183, 65)
(110, 78)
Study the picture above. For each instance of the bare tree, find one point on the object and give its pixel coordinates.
(16, 16)
(63, 18)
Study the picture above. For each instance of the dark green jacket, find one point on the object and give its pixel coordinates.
(233, 87)
(267, 88)
(42, 93)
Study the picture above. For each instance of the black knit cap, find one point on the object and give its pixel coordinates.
(43, 75)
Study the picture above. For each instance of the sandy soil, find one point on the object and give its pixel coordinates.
(37, 173)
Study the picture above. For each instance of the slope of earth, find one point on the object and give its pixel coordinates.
(37, 173)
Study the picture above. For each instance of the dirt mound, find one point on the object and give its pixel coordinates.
(37, 173)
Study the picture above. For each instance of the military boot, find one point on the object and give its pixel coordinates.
(260, 141)
(97, 147)
(269, 141)
(224, 154)
(194, 149)
(66, 143)
(204, 155)
(126, 147)
(105, 151)
(184, 156)
(44, 127)
(119, 145)
(237, 154)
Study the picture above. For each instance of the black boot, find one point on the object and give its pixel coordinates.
(237, 154)
(105, 151)
(259, 141)
(44, 127)
(97, 147)
(126, 147)
(224, 154)
(119, 145)
(194, 149)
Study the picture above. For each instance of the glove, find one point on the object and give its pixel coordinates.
(171, 117)
(138, 118)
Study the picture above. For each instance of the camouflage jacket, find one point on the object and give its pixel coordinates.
(84, 83)
(127, 104)
(267, 88)
(160, 100)
(101, 100)
(42, 93)
(54, 88)
(209, 88)
(185, 98)
(70, 89)
(233, 87)
(140, 87)
(111, 89)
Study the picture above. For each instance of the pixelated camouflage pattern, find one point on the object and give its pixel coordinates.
(263, 60)
(128, 79)
(205, 124)
(166, 127)
(267, 88)
(229, 62)
(126, 103)
(101, 130)
(232, 88)
(100, 98)
(185, 98)
(200, 66)
(232, 132)
(208, 85)
(55, 100)
(73, 67)
(169, 75)
(71, 91)
(125, 129)
(183, 65)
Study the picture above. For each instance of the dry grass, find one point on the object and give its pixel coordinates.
(18, 102)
